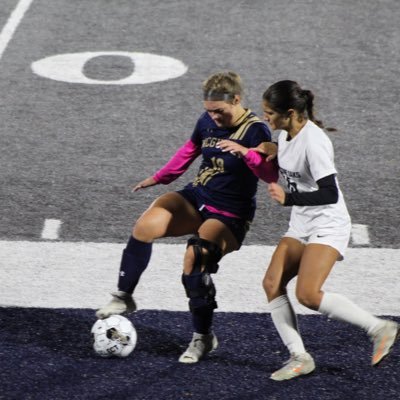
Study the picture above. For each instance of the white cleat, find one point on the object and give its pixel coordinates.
(297, 365)
(199, 347)
(121, 303)
(383, 340)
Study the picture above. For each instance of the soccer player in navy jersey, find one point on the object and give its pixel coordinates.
(216, 208)
(318, 234)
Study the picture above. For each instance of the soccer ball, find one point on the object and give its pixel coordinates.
(114, 336)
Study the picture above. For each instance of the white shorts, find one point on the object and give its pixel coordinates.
(336, 238)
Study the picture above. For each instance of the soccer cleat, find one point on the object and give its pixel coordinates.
(383, 340)
(298, 364)
(198, 347)
(121, 303)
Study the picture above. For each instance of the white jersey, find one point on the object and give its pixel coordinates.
(303, 160)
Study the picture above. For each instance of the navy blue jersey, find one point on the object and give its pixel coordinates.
(224, 180)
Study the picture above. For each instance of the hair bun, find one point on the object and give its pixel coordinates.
(307, 94)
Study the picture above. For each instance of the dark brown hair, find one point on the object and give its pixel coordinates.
(285, 95)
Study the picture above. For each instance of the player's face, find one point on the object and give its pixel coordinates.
(221, 112)
(275, 120)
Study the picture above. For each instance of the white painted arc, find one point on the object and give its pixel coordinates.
(81, 275)
(12, 24)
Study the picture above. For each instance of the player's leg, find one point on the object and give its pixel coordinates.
(169, 215)
(283, 267)
(201, 259)
(316, 264)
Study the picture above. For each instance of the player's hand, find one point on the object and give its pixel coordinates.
(277, 193)
(268, 148)
(233, 147)
(144, 184)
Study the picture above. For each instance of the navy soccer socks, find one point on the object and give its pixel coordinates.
(202, 320)
(135, 259)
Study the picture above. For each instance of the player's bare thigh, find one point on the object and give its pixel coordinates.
(216, 232)
(283, 267)
(169, 215)
(316, 264)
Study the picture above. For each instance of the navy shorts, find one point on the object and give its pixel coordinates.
(238, 226)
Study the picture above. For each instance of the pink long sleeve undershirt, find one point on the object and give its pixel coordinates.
(181, 160)
(178, 164)
(265, 170)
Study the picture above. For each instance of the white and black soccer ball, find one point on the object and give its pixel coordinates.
(114, 336)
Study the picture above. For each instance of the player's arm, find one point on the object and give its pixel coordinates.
(265, 170)
(269, 149)
(261, 156)
(174, 168)
(144, 184)
(327, 193)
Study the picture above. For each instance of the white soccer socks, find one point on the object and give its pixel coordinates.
(285, 321)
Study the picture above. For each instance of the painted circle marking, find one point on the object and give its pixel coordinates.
(148, 68)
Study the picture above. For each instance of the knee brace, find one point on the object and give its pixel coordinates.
(199, 285)
(200, 290)
(209, 259)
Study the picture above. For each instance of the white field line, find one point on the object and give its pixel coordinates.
(81, 275)
(359, 234)
(51, 229)
(12, 24)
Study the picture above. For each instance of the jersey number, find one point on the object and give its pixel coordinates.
(208, 172)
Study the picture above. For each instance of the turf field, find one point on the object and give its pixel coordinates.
(96, 96)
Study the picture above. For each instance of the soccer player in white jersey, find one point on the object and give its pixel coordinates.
(319, 230)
